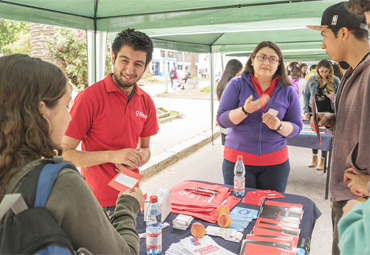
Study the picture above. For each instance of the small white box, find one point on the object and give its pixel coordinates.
(164, 201)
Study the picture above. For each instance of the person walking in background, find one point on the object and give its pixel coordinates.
(35, 114)
(258, 128)
(173, 76)
(114, 118)
(303, 69)
(232, 68)
(311, 73)
(347, 39)
(322, 86)
(218, 77)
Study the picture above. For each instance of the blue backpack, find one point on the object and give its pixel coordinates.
(33, 230)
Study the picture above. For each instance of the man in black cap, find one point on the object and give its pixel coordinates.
(345, 38)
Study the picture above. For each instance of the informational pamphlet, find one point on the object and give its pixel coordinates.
(125, 179)
(197, 246)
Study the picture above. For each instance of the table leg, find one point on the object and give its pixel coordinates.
(328, 176)
(326, 156)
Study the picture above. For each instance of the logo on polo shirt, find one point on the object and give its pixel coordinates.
(141, 115)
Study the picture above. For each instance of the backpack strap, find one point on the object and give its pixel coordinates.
(46, 181)
(29, 185)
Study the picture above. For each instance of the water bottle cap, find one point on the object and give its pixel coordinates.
(239, 157)
(153, 199)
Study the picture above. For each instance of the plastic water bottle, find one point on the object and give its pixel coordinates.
(153, 228)
(239, 177)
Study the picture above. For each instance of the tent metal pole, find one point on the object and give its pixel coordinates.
(166, 68)
(211, 90)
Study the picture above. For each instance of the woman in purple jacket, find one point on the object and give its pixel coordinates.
(258, 128)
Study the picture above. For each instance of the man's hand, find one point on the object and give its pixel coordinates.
(358, 183)
(252, 106)
(307, 115)
(325, 119)
(136, 193)
(271, 121)
(128, 158)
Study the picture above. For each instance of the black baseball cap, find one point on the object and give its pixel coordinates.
(337, 15)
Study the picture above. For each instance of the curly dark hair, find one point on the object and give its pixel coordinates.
(358, 7)
(136, 40)
(24, 132)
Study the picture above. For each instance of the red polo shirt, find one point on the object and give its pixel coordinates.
(103, 119)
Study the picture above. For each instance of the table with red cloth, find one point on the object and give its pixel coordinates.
(171, 235)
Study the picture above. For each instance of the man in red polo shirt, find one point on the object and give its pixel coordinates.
(114, 119)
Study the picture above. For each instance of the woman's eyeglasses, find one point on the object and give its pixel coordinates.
(263, 58)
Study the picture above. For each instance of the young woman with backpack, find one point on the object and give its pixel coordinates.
(34, 113)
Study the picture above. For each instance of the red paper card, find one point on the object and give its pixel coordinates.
(316, 118)
(274, 232)
(125, 179)
(278, 203)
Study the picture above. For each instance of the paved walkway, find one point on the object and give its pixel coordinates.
(179, 137)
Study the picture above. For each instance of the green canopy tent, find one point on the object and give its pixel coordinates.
(207, 26)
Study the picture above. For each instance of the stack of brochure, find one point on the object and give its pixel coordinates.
(192, 245)
(241, 217)
(182, 221)
(276, 230)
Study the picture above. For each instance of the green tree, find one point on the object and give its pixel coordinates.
(10, 32)
(22, 46)
(70, 46)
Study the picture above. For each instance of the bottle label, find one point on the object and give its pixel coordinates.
(153, 239)
(239, 185)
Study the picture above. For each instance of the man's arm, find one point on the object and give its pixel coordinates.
(130, 158)
(143, 145)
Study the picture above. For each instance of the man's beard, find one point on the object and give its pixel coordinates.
(123, 84)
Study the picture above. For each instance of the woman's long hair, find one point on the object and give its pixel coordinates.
(281, 68)
(303, 75)
(231, 69)
(24, 132)
(330, 77)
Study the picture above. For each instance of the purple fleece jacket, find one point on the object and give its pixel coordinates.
(252, 135)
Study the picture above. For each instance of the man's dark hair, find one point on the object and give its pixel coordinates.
(313, 67)
(136, 40)
(358, 7)
(358, 33)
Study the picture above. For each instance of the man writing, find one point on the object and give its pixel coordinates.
(114, 119)
(345, 38)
